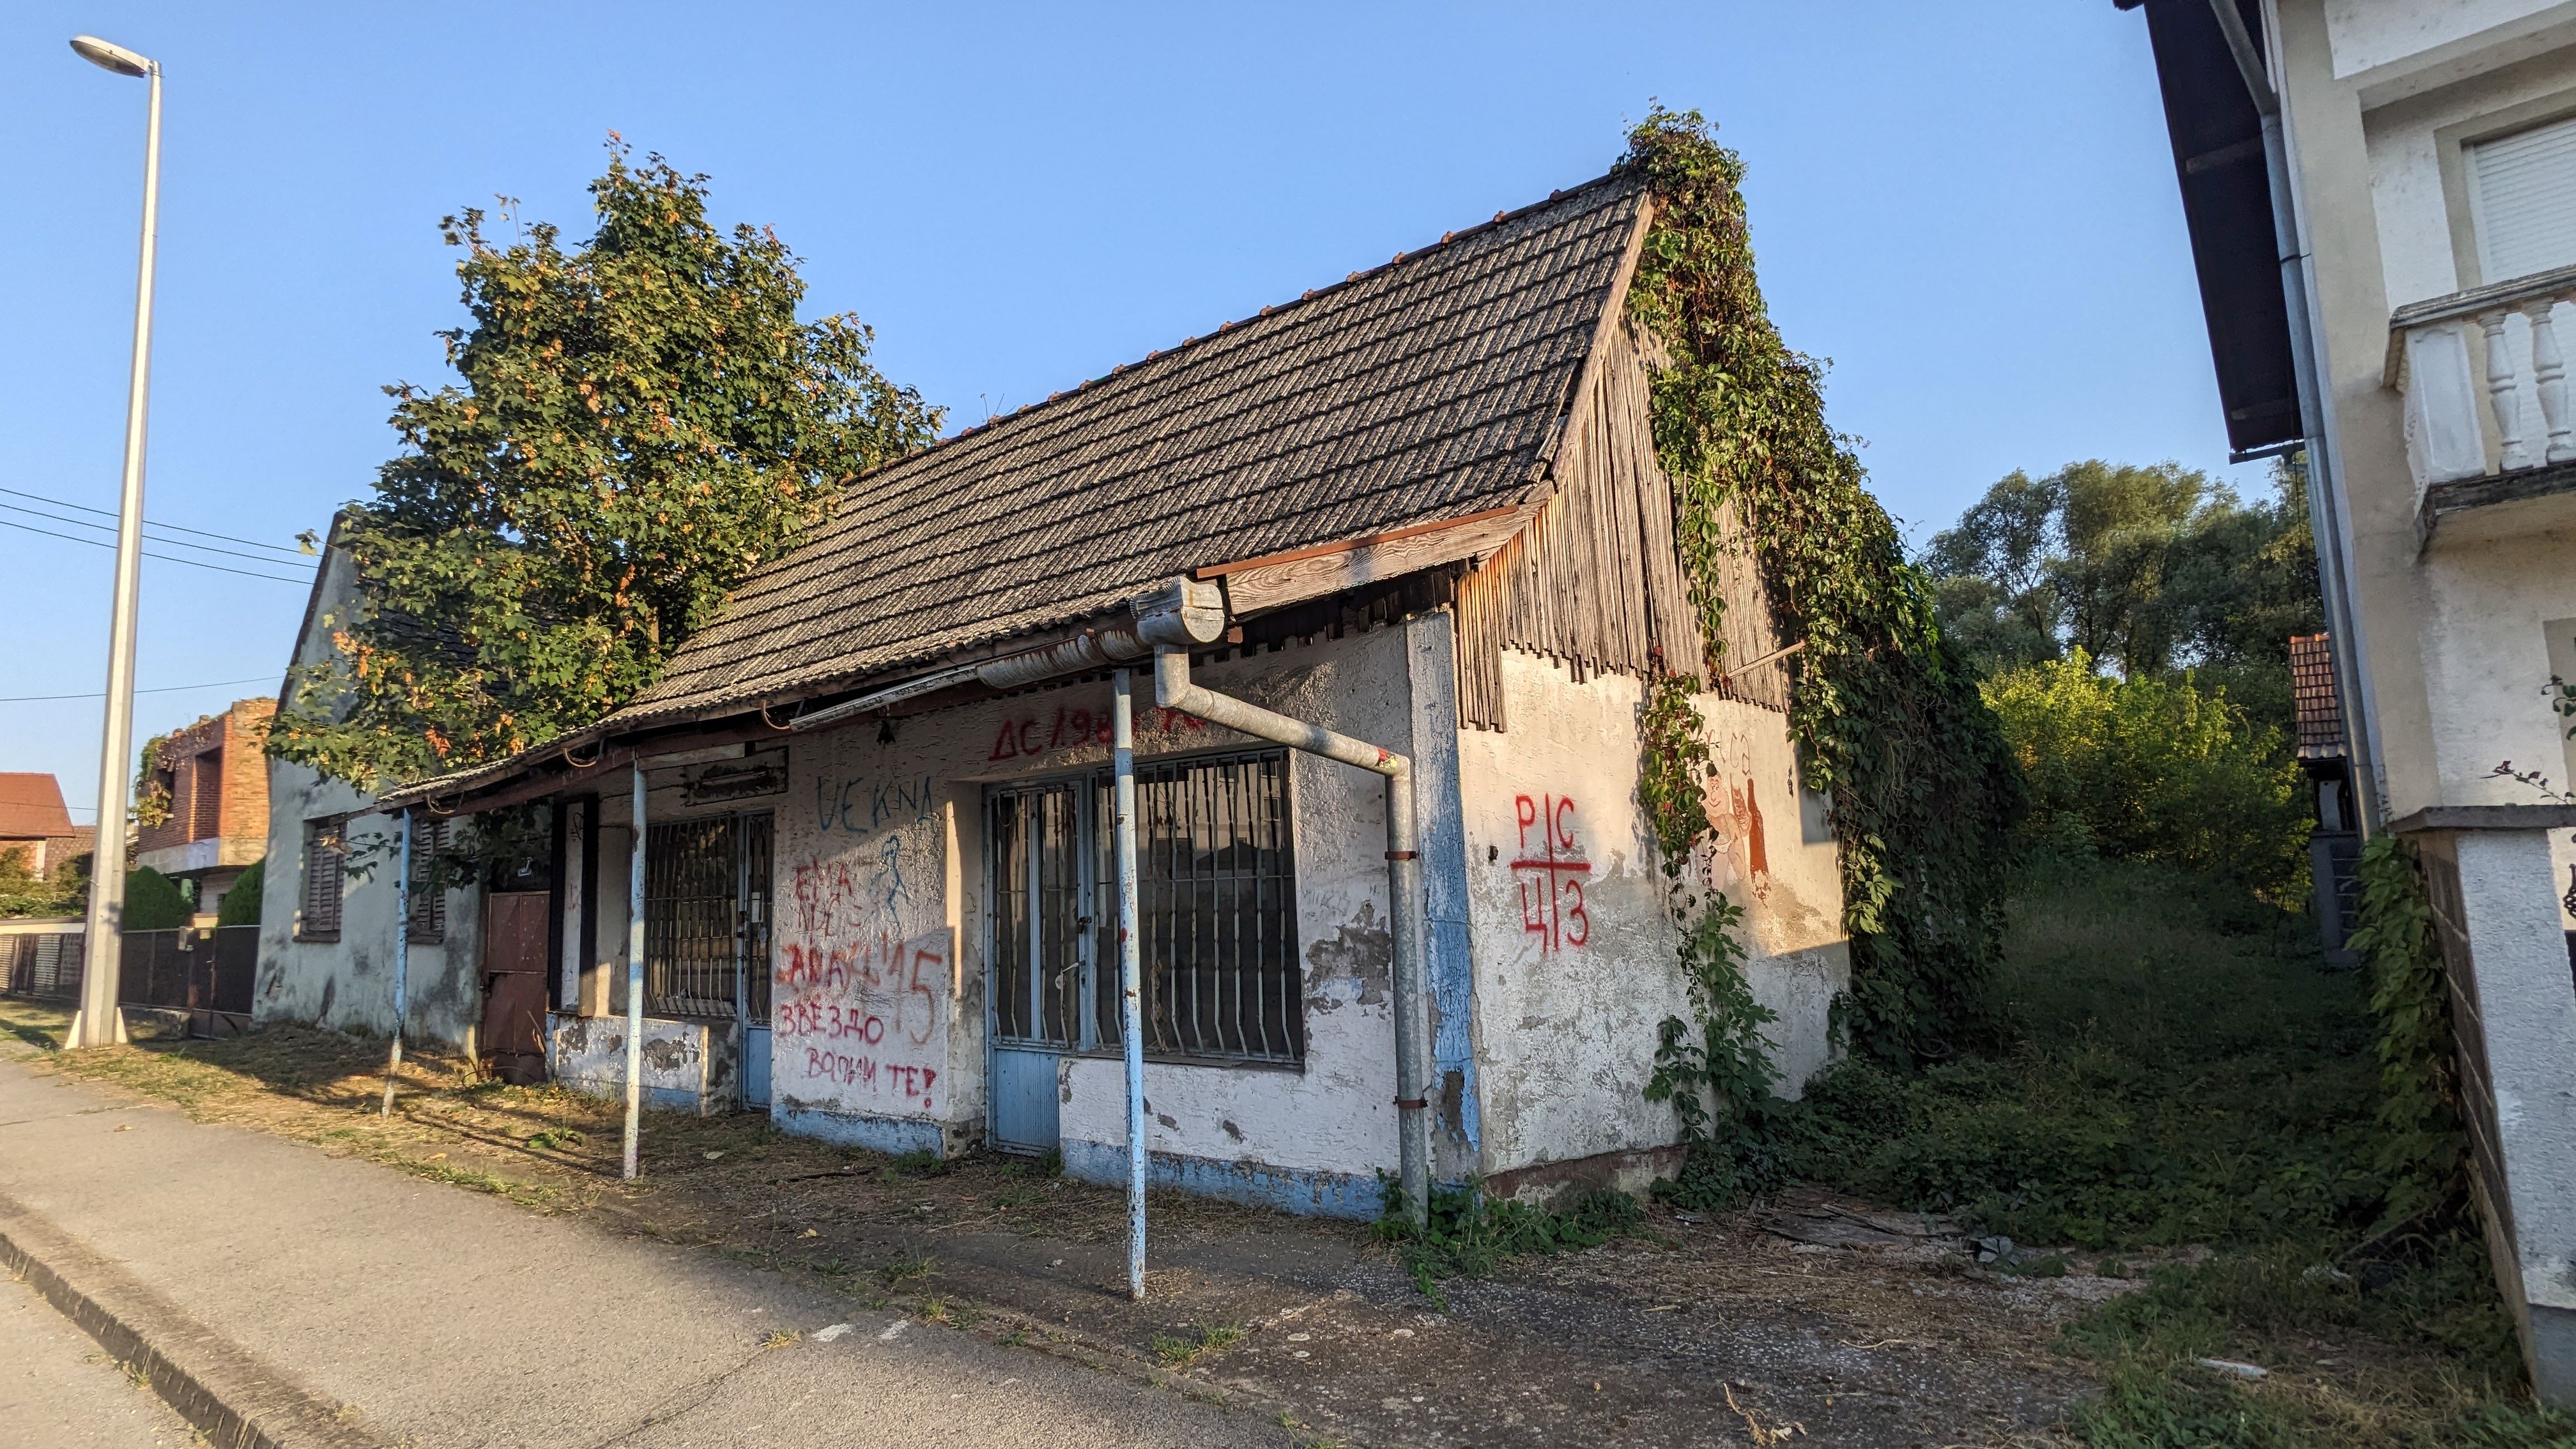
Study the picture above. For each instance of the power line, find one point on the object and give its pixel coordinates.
(156, 523)
(162, 689)
(172, 542)
(165, 558)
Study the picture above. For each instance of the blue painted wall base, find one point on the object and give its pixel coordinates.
(1308, 1192)
(893, 1136)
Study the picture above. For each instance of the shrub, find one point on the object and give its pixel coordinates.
(2155, 770)
(153, 902)
(241, 903)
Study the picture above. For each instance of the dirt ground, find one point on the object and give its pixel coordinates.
(1810, 1319)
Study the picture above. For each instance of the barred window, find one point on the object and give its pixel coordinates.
(1216, 911)
(430, 836)
(325, 869)
(706, 916)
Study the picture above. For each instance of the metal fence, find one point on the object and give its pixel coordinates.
(206, 974)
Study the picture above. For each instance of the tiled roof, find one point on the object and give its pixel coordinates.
(1423, 390)
(31, 808)
(2312, 683)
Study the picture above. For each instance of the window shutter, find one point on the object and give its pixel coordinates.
(2522, 197)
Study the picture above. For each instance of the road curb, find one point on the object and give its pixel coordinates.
(239, 1399)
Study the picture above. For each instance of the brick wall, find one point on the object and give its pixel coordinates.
(238, 797)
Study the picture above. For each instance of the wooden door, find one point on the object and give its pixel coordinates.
(514, 985)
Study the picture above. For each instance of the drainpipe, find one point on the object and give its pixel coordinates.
(1173, 690)
(635, 980)
(1131, 973)
(2325, 498)
(402, 960)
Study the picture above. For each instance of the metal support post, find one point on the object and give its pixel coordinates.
(402, 961)
(1131, 997)
(635, 981)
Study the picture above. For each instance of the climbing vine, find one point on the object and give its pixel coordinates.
(1888, 723)
(2424, 1150)
(1718, 1079)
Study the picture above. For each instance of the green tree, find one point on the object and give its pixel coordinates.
(62, 891)
(2150, 569)
(641, 421)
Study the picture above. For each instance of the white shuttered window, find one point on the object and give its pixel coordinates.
(2522, 195)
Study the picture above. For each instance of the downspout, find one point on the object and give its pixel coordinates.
(1173, 690)
(2325, 499)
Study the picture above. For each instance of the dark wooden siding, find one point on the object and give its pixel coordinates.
(1594, 582)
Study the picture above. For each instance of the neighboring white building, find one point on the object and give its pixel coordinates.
(1419, 507)
(2405, 318)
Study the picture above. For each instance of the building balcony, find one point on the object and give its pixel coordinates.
(2490, 437)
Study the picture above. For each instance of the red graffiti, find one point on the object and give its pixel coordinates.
(1552, 906)
(913, 1084)
(1074, 725)
(810, 973)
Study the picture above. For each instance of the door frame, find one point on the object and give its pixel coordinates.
(1080, 1026)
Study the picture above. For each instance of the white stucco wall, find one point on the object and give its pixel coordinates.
(1576, 951)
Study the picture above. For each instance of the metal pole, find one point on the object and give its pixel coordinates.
(98, 1023)
(635, 981)
(1173, 690)
(402, 962)
(1131, 998)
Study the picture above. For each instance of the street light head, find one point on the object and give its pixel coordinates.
(111, 57)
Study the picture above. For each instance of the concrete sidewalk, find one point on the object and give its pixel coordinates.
(332, 1301)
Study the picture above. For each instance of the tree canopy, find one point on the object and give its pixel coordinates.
(2148, 569)
(639, 423)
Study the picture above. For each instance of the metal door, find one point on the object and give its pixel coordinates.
(1041, 955)
(514, 985)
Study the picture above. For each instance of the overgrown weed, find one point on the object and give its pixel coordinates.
(1470, 1232)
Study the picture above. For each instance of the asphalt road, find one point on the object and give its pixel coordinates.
(422, 1314)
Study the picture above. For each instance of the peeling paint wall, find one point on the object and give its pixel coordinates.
(688, 1065)
(1574, 944)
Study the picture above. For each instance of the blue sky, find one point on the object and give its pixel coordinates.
(1969, 209)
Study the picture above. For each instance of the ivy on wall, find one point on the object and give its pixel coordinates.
(1888, 722)
(2424, 1152)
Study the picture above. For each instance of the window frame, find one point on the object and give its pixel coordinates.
(1095, 1031)
(323, 834)
(427, 923)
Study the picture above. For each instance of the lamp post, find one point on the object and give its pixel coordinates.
(98, 1022)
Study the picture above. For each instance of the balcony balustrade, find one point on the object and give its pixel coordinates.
(2484, 375)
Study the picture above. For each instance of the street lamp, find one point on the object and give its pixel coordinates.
(99, 1023)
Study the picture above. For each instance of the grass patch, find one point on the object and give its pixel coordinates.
(1469, 1232)
(2179, 1067)
(1181, 1352)
(910, 1265)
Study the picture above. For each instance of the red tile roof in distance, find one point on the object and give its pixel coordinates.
(2312, 683)
(31, 808)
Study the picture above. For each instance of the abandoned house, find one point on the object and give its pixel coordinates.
(1420, 507)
